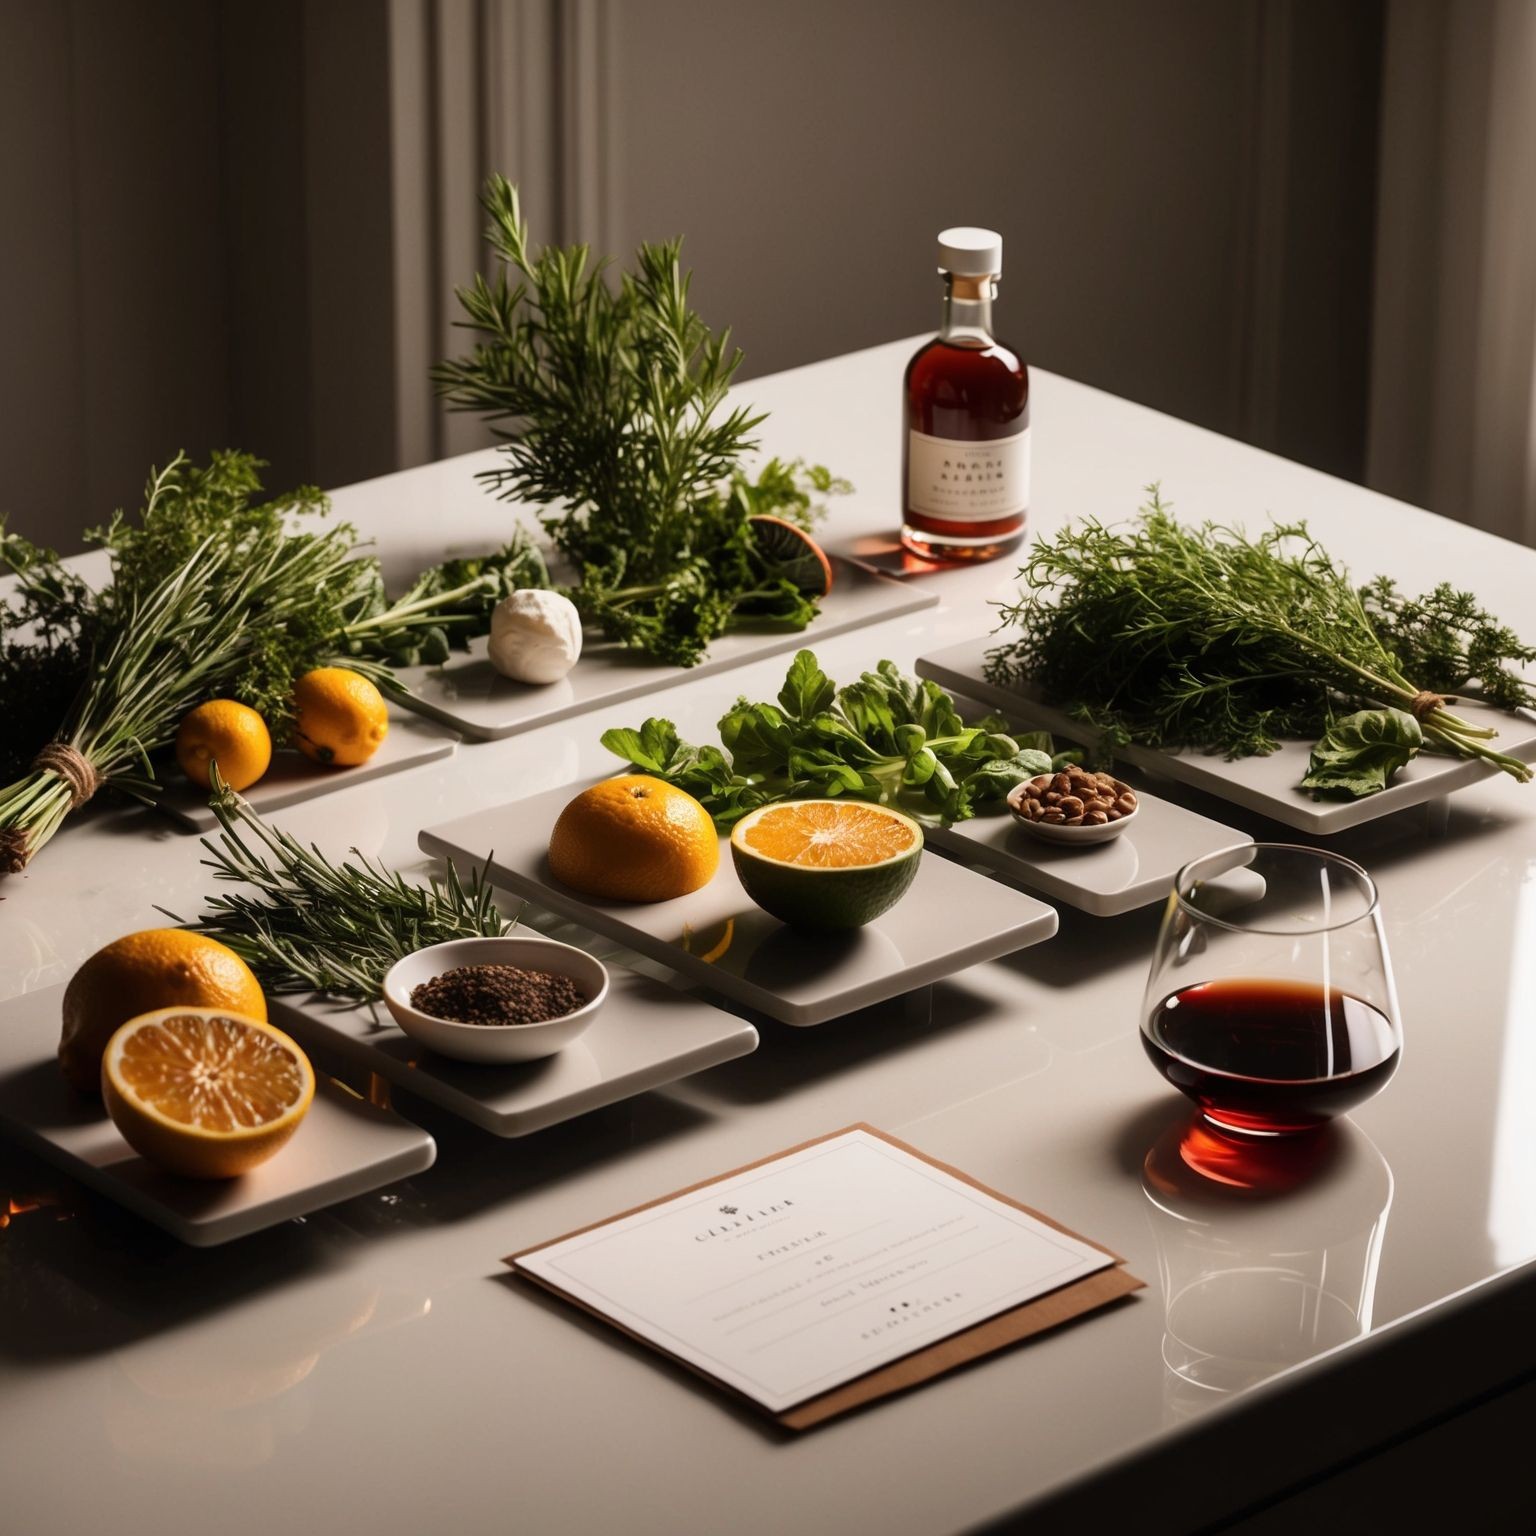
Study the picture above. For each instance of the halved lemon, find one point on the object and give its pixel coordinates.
(204, 1092)
(826, 865)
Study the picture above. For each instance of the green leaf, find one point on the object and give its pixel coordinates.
(653, 747)
(1358, 755)
(993, 779)
(1036, 741)
(807, 690)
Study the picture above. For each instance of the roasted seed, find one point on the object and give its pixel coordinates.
(1072, 805)
(1126, 803)
(1095, 818)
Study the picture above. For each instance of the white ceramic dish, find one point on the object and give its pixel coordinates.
(646, 1036)
(949, 919)
(293, 778)
(345, 1147)
(469, 694)
(1103, 880)
(1263, 784)
(1081, 836)
(497, 1044)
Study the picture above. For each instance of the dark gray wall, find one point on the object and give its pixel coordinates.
(198, 242)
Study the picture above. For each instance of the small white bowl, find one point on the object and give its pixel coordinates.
(499, 1043)
(1057, 832)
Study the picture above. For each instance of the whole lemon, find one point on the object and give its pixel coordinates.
(228, 734)
(156, 968)
(634, 838)
(340, 718)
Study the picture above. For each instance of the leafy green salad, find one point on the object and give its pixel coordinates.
(887, 737)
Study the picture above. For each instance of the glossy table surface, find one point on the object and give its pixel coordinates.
(372, 1368)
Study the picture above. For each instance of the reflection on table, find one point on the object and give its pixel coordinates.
(1268, 1251)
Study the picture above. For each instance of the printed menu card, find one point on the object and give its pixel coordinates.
(838, 1271)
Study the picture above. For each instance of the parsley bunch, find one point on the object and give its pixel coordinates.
(611, 400)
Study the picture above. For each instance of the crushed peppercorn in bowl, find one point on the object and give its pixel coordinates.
(494, 1042)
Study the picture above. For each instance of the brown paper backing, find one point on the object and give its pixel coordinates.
(985, 1338)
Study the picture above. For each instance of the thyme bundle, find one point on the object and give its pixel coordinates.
(1175, 636)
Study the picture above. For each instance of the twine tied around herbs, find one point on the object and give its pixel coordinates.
(1426, 703)
(73, 767)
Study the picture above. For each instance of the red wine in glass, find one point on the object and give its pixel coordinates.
(1271, 1057)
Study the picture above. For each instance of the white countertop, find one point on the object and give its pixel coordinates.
(373, 1369)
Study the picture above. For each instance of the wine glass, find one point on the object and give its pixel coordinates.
(1270, 1001)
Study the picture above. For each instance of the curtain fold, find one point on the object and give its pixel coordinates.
(1453, 396)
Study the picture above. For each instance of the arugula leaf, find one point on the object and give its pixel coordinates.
(1358, 755)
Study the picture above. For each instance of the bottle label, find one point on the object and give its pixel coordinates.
(967, 482)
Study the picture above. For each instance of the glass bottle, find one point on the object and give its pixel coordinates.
(965, 447)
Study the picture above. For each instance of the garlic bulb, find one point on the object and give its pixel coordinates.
(535, 636)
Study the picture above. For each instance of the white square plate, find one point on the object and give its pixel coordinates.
(644, 1036)
(469, 694)
(1132, 870)
(1263, 784)
(344, 1147)
(950, 918)
(293, 777)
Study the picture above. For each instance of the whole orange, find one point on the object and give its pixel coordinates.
(156, 968)
(634, 838)
(339, 717)
(228, 734)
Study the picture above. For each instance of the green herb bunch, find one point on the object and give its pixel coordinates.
(611, 400)
(43, 646)
(1175, 636)
(305, 924)
(1449, 642)
(890, 738)
(215, 592)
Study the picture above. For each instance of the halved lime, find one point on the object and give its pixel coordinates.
(826, 865)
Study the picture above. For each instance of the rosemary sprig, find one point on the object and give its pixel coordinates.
(610, 394)
(305, 924)
(214, 592)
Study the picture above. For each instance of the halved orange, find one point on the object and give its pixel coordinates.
(204, 1092)
(826, 864)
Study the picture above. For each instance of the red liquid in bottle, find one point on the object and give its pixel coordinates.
(968, 393)
(1271, 1057)
(965, 410)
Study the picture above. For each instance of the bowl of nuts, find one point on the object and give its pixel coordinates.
(1073, 806)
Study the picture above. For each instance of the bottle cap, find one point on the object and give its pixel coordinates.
(969, 252)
